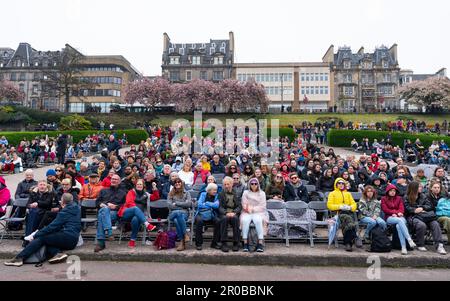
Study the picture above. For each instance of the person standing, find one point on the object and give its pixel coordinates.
(61, 148)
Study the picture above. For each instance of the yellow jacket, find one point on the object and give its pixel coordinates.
(338, 198)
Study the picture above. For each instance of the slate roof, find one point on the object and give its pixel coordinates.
(345, 53)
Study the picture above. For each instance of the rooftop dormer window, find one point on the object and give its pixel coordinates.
(218, 60)
(174, 60)
(196, 60)
(347, 64)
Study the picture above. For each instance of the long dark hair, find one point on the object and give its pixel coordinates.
(412, 192)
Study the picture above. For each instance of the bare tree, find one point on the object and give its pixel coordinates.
(63, 79)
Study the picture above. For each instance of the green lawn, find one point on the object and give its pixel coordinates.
(127, 120)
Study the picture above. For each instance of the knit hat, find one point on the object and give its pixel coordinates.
(51, 172)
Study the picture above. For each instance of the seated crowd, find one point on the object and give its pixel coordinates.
(232, 190)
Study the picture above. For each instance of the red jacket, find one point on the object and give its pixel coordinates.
(204, 174)
(106, 183)
(391, 206)
(129, 201)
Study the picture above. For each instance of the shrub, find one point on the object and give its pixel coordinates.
(74, 122)
(342, 138)
(133, 136)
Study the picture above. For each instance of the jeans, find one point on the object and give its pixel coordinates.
(179, 218)
(257, 220)
(105, 219)
(54, 242)
(402, 229)
(371, 223)
(136, 217)
(34, 218)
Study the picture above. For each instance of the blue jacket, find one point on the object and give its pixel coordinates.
(203, 205)
(443, 207)
(67, 221)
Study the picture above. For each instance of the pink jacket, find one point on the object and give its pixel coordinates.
(5, 196)
(256, 202)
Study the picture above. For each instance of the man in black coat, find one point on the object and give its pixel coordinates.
(61, 146)
(41, 200)
(295, 190)
(113, 145)
(24, 188)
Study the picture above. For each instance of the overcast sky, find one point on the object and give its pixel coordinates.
(265, 30)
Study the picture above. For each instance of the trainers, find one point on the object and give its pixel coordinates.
(58, 258)
(404, 251)
(358, 243)
(259, 248)
(246, 248)
(148, 242)
(199, 247)
(151, 227)
(441, 249)
(412, 244)
(16, 262)
(216, 246)
(30, 237)
(225, 248)
(422, 249)
(132, 244)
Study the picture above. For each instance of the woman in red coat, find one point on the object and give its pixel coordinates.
(394, 210)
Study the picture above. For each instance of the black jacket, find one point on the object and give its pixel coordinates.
(113, 195)
(422, 201)
(113, 146)
(325, 184)
(68, 221)
(61, 144)
(59, 193)
(24, 188)
(220, 168)
(223, 206)
(44, 200)
(295, 194)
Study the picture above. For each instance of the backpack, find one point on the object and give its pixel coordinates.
(380, 241)
(165, 240)
(38, 257)
(314, 196)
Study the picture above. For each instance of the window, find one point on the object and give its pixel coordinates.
(367, 65)
(289, 77)
(223, 49)
(218, 60)
(277, 90)
(22, 77)
(303, 90)
(347, 64)
(188, 76)
(258, 78)
(321, 77)
(347, 78)
(13, 76)
(385, 64)
(307, 91)
(321, 90)
(174, 60)
(35, 89)
(22, 88)
(326, 90)
(307, 77)
(326, 77)
(171, 50)
(1, 65)
(182, 51)
(218, 75)
(196, 60)
(317, 77)
(212, 50)
(317, 90)
(348, 91)
(276, 77)
(174, 76)
(303, 77)
(387, 78)
(240, 77)
(36, 76)
(271, 78)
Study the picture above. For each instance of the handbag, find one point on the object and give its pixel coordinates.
(426, 216)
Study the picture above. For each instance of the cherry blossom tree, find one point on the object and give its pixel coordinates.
(256, 96)
(10, 92)
(433, 92)
(149, 92)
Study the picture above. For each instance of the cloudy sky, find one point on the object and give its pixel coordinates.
(265, 30)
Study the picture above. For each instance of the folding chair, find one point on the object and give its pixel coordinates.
(18, 203)
(320, 207)
(305, 182)
(219, 181)
(218, 176)
(197, 187)
(277, 205)
(160, 204)
(92, 205)
(194, 194)
(299, 206)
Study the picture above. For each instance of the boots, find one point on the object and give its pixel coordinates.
(181, 246)
(187, 238)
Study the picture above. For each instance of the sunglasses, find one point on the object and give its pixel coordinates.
(58, 170)
(341, 183)
(278, 177)
(293, 178)
(235, 178)
(254, 184)
(177, 182)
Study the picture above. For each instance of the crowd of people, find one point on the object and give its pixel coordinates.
(226, 190)
(29, 154)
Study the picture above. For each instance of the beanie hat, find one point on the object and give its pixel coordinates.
(51, 172)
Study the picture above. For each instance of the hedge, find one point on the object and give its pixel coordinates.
(343, 138)
(133, 136)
